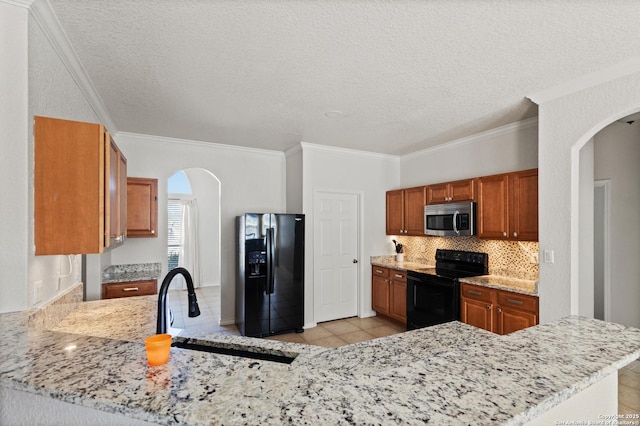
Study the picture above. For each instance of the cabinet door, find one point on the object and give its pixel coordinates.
(142, 207)
(492, 211)
(510, 320)
(395, 212)
(122, 190)
(414, 201)
(398, 296)
(69, 187)
(115, 171)
(477, 313)
(380, 294)
(462, 190)
(523, 220)
(438, 193)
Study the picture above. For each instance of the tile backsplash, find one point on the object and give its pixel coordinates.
(506, 258)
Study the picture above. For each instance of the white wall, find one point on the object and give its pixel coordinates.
(617, 157)
(37, 83)
(504, 149)
(250, 180)
(294, 179)
(341, 170)
(586, 296)
(206, 189)
(566, 123)
(14, 161)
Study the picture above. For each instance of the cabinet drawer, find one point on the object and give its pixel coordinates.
(517, 301)
(475, 292)
(134, 288)
(380, 272)
(398, 275)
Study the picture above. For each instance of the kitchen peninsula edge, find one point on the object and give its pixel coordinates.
(450, 373)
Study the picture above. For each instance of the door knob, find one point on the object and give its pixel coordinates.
(355, 260)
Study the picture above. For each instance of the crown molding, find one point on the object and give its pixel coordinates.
(20, 3)
(47, 20)
(478, 137)
(306, 146)
(164, 139)
(613, 72)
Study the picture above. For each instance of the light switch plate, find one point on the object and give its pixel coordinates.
(548, 256)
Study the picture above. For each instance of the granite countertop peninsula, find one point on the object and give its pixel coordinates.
(502, 282)
(446, 374)
(131, 272)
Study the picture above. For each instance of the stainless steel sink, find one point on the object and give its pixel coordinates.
(211, 347)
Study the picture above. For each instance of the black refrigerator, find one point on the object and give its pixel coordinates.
(269, 274)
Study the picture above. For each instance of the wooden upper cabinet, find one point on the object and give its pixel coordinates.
(492, 219)
(395, 212)
(523, 218)
(405, 211)
(142, 207)
(508, 206)
(72, 187)
(451, 192)
(116, 201)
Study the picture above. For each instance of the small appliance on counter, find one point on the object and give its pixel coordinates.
(433, 294)
(269, 274)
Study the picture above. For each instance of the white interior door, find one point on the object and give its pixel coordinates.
(335, 255)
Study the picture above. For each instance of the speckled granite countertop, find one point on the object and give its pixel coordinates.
(131, 272)
(516, 285)
(447, 374)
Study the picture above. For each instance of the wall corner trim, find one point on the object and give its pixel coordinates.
(316, 147)
(20, 3)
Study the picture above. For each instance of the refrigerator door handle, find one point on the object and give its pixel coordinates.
(270, 265)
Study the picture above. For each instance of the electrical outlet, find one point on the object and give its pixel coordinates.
(37, 292)
(533, 258)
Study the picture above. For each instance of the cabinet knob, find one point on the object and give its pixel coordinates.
(499, 310)
(515, 234)
(153, 231)
(488, 307)
(504, 234)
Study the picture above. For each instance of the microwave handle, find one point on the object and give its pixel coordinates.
(455, 222)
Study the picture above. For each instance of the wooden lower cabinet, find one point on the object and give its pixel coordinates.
(128, 289)
(389, 293)
(498, 311)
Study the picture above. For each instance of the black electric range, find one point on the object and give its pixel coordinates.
(433, 294)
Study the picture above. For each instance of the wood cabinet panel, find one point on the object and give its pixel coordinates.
(477, 313)
(128, 289)
(499, 311)
(508, 206)
(523, 219)
(380, 294)
(405, 211)
(451, 192)
(142, 207)
(395, 212)
(74, 209)
(492, 220)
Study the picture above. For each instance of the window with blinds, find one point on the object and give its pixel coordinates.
(175, 240)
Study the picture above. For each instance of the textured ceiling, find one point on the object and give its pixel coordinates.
(406, 75)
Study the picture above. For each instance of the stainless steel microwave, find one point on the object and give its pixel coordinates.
(450, 220)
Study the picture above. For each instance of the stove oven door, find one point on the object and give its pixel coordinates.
(431, 300)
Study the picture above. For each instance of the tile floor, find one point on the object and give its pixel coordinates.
(351, 330)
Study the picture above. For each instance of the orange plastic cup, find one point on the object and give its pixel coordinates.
(158, 348)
